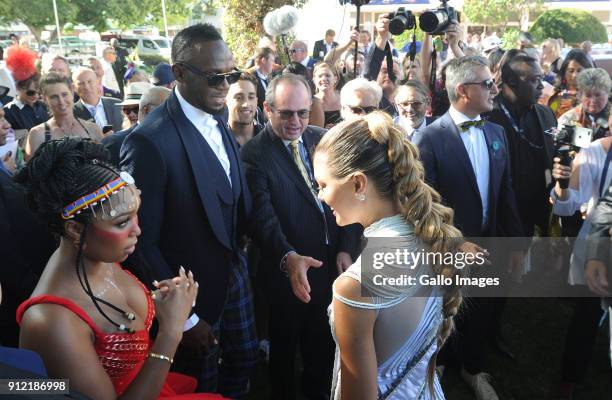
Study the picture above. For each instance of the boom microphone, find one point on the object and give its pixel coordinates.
(280, 21)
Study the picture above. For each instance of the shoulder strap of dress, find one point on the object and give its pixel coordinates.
(60, 301)
(83, 126)
(47, 132)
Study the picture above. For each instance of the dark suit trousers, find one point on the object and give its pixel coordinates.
(293, 324)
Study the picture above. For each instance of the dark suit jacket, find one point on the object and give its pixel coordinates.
(114, 114)
(113, 143)
(181, 213)
(528, 165)
(449, 171)
(261, 92)
(108, 92)
(287, 218)
(25, 250)
(319, 47)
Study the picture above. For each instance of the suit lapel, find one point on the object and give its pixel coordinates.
(454, 148)
(200, 166)
(82, 112)
(494, 174)
(281, 155)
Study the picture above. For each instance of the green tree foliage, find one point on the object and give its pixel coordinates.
(36, 14)
(96, 13)
(509, 38)
(244, 24)
(573, 26)
(498, 12)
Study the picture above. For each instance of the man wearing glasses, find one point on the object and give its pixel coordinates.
(412, 100)
(302, 248)
(195, 210)
(466, 161)
(299, 53)
(525, 122)
(359, 97)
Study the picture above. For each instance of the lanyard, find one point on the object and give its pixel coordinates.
(519, 131)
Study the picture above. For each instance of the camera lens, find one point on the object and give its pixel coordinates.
(397, 25)
(430, 21)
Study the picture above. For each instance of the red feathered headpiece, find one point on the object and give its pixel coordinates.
(21, 61)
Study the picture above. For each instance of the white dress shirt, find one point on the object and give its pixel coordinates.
(109, 80)
(305, 61)
(207, 126)
(414, 135)
(98, 113)
(476, 147)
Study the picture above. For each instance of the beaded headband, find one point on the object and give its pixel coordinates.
(100, 195)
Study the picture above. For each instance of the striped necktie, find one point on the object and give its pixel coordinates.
(294, 145)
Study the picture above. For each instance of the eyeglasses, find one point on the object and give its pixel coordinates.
(31, 93)
(486, 84)
(288, 114)
(129, 110)
(362, 110)
(412, 104)
(213, 79)
(299, 50)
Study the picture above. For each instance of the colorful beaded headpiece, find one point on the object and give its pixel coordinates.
(99, 196)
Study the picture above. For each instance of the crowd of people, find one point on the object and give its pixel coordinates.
(163, 233)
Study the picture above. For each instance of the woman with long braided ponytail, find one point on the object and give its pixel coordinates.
(387, 336)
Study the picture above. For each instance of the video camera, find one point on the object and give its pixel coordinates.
(570, 138)
(436, 21)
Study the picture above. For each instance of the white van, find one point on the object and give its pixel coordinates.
(146, 45)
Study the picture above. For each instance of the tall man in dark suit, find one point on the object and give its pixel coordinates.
(525, 123)
(92, 106)
(466, 160)
(324, 46)
(302, 248)
(195, 206)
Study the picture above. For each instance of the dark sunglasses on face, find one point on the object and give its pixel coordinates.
(288, 114)
(486, 84)
(362, 110)
(31, 93)
(293, 51)
(129, 110)
(213, 79)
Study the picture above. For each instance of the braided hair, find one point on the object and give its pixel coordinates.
(375, 146)
(60, 172)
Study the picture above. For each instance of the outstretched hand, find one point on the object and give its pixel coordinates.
(297, 269)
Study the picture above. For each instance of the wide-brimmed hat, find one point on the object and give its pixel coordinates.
(491, 43)
(134, 92)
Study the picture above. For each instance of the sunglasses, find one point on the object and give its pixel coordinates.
(293, 51)
(213, 79)
(288, 114)
(129, 110)
(486, 84)
(362, 110)
(31, 93)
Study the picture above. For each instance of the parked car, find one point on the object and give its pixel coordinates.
(146, 45)
(74, 45)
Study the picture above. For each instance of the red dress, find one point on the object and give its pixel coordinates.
(123, 354)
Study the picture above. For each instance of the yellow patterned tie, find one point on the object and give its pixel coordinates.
(295, 152)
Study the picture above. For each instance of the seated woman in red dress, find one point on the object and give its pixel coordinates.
(88, 318)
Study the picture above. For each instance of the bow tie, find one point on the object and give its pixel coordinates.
(465, 126)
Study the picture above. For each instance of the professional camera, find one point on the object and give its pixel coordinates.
(437, 20)
(400, 21)
(568, 139)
